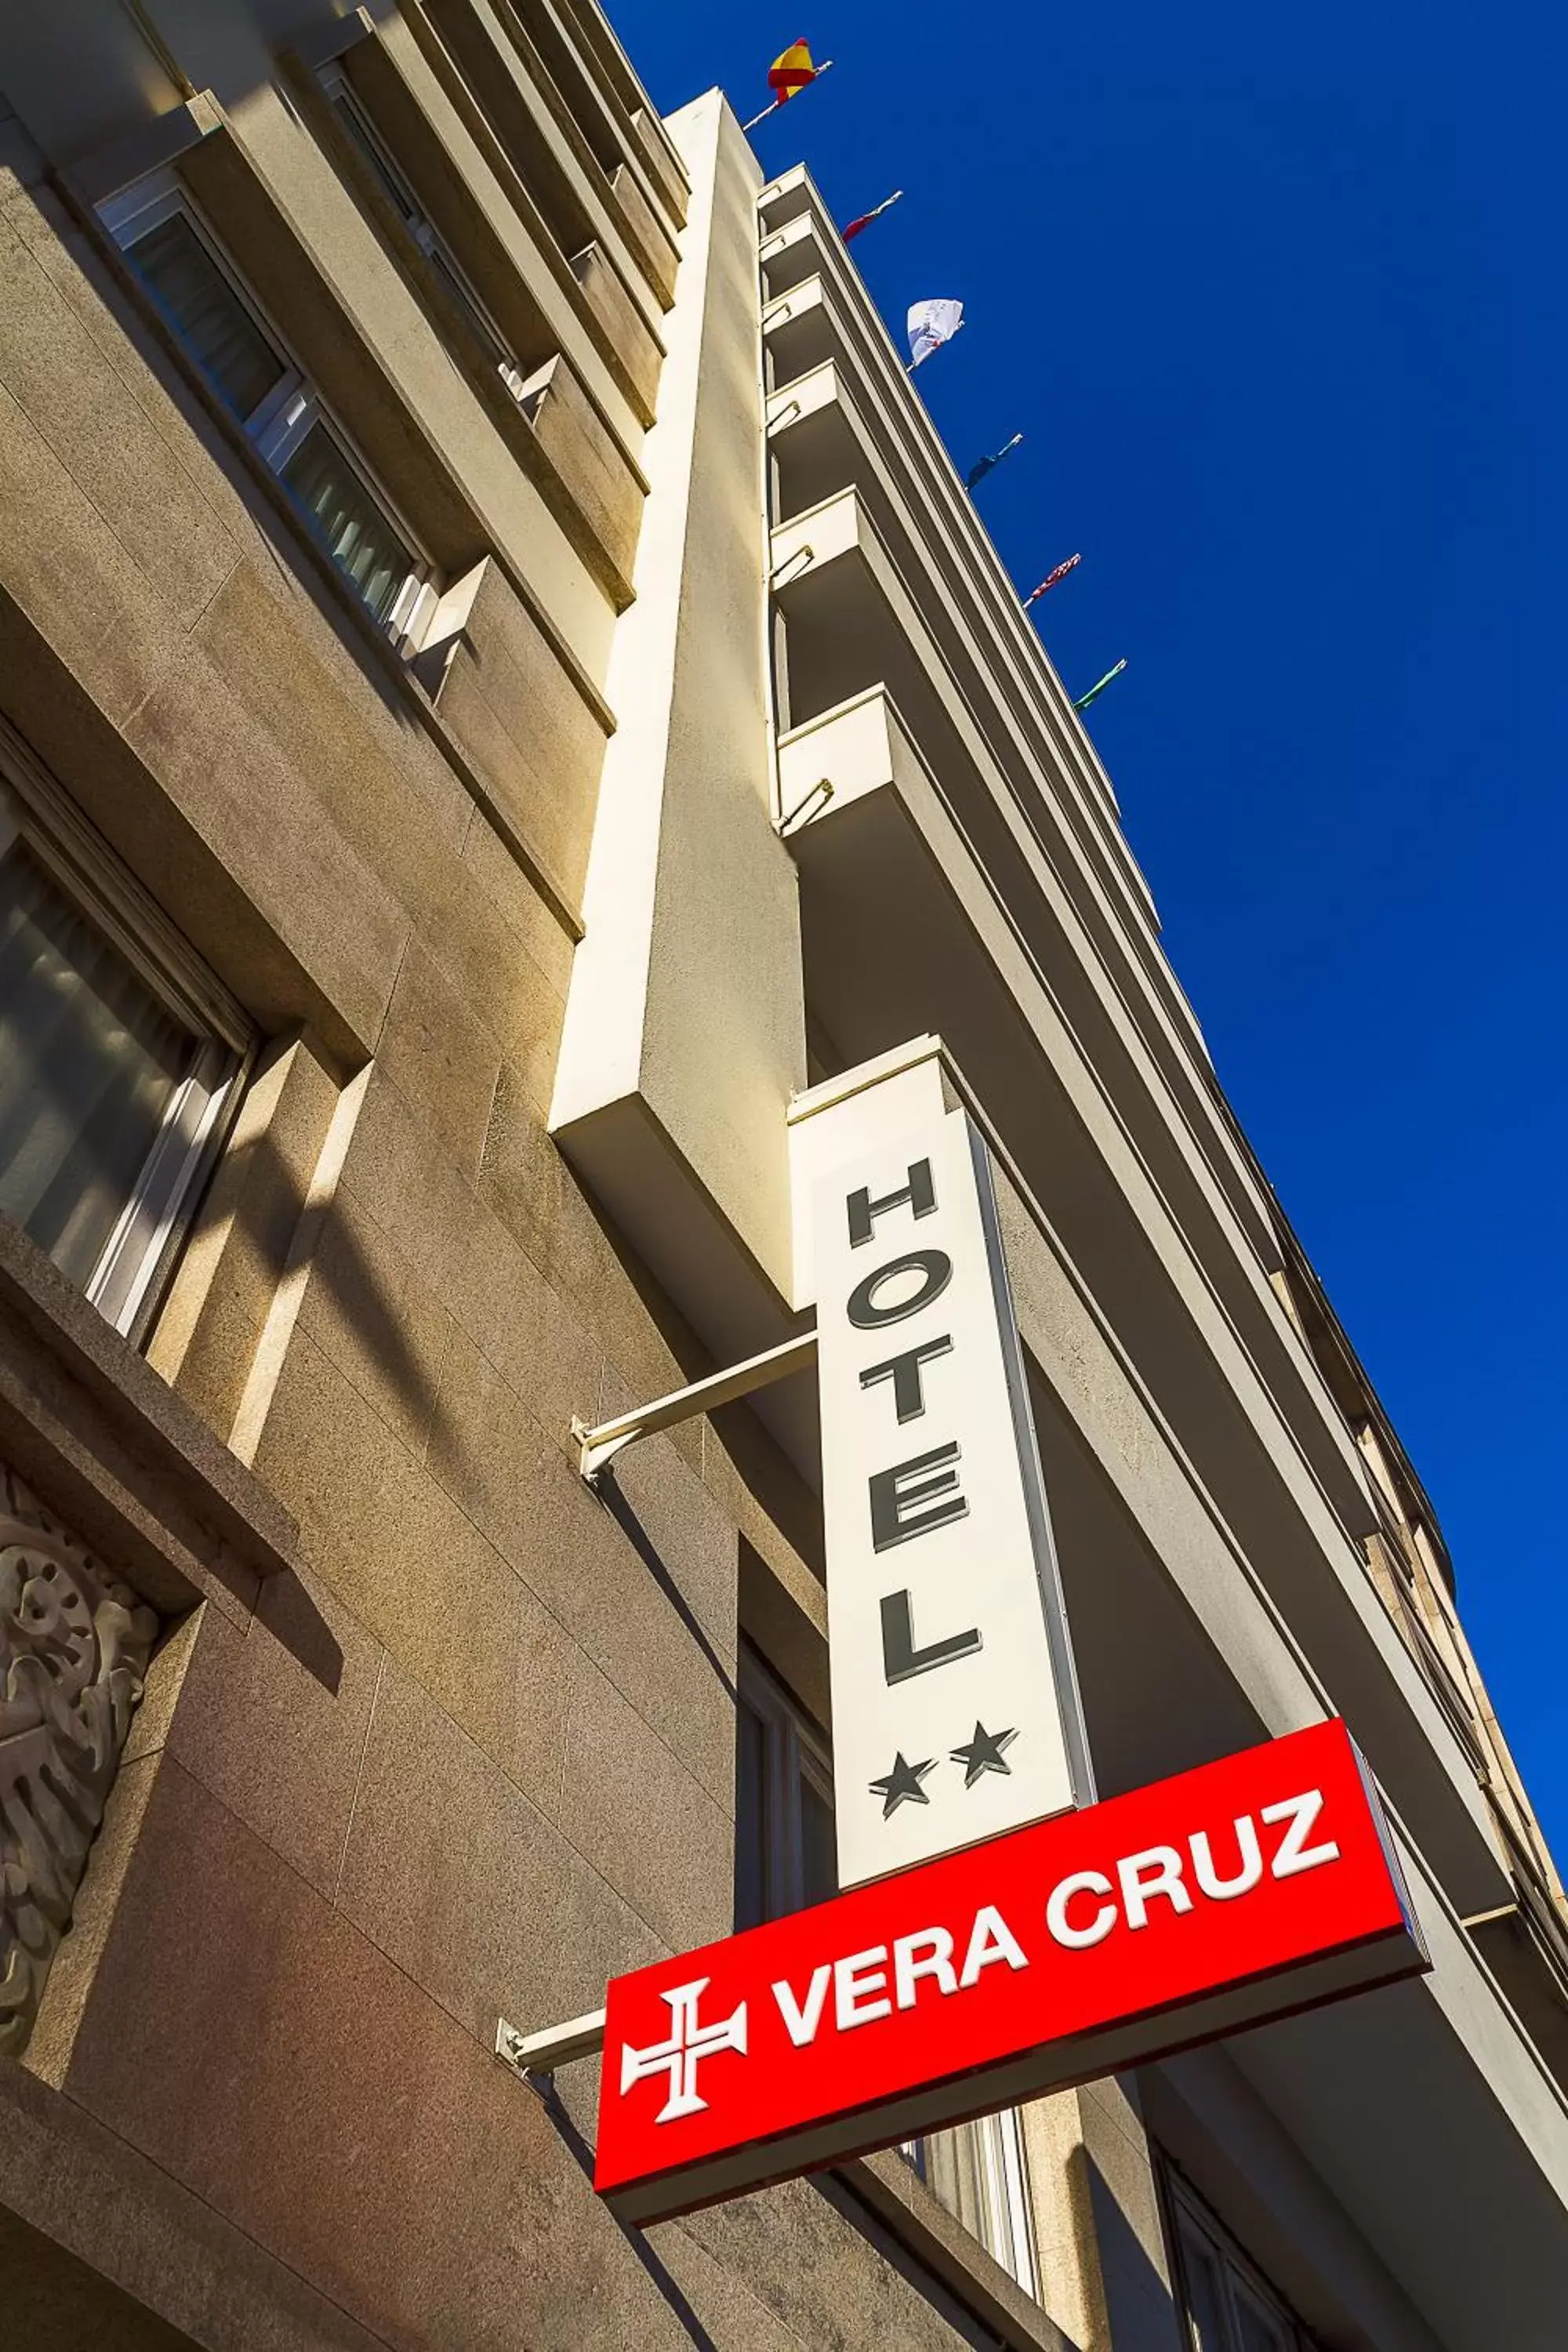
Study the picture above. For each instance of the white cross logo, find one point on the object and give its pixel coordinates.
(688, 2043)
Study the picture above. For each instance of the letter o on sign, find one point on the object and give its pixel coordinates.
(935, 1270)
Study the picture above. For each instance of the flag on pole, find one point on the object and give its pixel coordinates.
(790, 71)
(930, 324)
(1050, 579)
(864, 220)
(977, 473)
(1085, 700)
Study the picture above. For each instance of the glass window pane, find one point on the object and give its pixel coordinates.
(357, 535)
(819, 1862)
(89, 1065)
(349, 115)
(1260, 2330)
(751, 1817)
(207, 313)
(1206, 2294)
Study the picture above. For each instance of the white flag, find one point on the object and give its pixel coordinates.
(931, 324)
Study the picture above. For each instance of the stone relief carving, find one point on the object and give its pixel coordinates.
(74, 1646)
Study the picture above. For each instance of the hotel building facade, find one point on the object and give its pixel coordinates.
(506, 713)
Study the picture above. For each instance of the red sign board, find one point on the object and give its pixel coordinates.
(1228, 1895)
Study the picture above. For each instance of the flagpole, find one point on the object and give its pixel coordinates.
(1084, 700)
(826, 67)
(984, 467)
(865, 219)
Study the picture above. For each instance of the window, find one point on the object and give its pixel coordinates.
(977, 2171)
(785, 1859)
(399, 192)
(1226, 2304)
(784, 1803)
(248, 368)
(119, 1057)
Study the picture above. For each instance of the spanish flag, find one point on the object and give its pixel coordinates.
(790, 72)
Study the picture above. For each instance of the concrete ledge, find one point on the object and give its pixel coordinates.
(123, 1459)
(897, 2196)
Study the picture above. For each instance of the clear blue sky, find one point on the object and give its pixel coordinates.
(1277, 297)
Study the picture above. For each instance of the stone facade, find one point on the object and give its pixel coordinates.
(415, 1730)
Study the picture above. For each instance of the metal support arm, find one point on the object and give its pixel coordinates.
(599, 1446)
(536, 2055)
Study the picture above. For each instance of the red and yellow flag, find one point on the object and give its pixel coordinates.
(790, 72)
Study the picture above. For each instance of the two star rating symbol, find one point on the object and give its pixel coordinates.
(982, 1754)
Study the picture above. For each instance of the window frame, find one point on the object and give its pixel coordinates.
(128, 1282)
(794, 1750)
(279, 424)
(493, 345)
(1191, 2218)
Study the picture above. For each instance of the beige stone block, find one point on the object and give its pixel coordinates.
(533, 1190)
(492, 873)
(527, 1332)
(645, 1823)
(127, 2221)
(648, 238)
(659, 1479)
(50, 2302)
(821, 2279)
(622, 324)
(656, 1612)
(373, 1317)
(81, 277)
(458, 1877)
(444, 1061)
(519, 715)
(331, 1459)
(77, 584)
(63, 385)
(274, 1721)
(463, 1625)
(261, 2048)
(489, 956)
(591, 464)
(254, 815)
(307, 686)
(668, 178)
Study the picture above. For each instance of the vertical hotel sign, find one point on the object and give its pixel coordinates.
(956, 1709)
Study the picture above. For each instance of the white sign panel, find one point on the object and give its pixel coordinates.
(955, 1711)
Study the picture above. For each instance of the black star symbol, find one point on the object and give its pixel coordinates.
(982, 1753)
(903, 1782)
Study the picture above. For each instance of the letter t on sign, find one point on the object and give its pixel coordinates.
(945, 1622)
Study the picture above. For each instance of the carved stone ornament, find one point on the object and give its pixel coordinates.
(74, 1646)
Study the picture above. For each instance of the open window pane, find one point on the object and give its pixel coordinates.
(356, 533)
(207, 314)
(90, 1064)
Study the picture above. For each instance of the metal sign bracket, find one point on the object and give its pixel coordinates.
(534, 2057)
(598, 1446)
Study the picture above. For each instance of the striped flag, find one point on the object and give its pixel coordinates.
(864, 220)
(930, 324)
(1050, 579)
(791, 71)
(977, 473)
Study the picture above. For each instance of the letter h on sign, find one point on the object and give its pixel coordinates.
(954, 1705)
